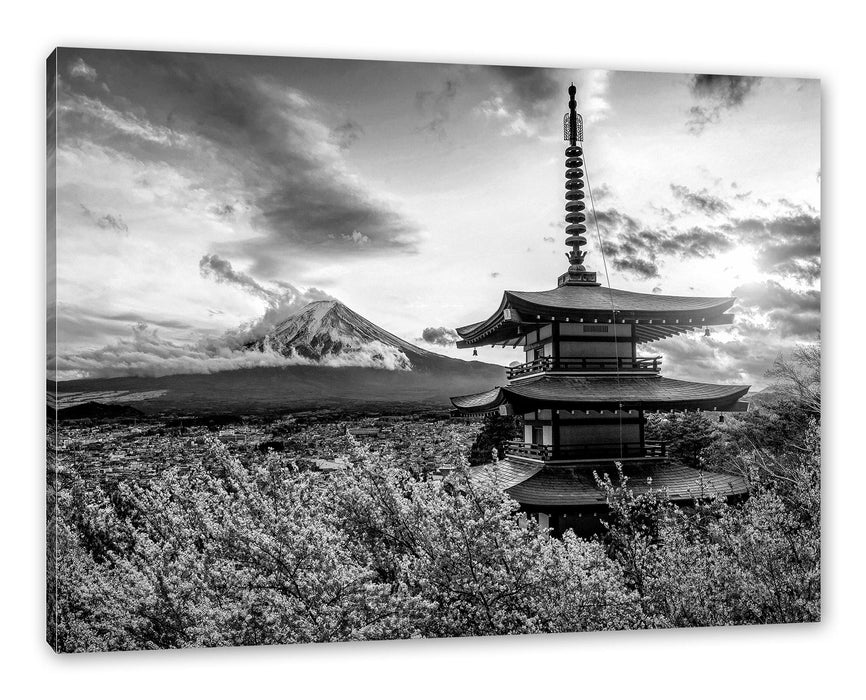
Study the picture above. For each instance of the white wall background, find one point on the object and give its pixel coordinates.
(813, 40)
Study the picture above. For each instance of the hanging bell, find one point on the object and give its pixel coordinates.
(474, 352)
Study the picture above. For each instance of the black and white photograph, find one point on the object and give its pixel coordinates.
(354, 350)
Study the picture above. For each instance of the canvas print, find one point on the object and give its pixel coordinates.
(359, 350)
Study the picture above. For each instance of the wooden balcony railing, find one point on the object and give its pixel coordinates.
(586, 364)
(549, 453)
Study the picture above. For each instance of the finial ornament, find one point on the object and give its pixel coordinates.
(574, 195)
(572, 123)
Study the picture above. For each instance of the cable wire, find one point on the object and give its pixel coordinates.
(610, 296)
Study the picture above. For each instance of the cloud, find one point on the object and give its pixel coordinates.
(529, 90)
(787, 312)
(716, 94)
(146, 354)
(702, 201)
(346, 134)
(358, 238)
(72, 325)
(515, 121)
(129, 317)
(282, 299)
(224, 211)
(592, 87)
(524, 98)
(247, 137)
(695, 242)
(612, 220)
(81, 113)
(635, 248)
(788, 244)
(221, 271)
(108, 222)
(727, 90)
(80, 69)
(435, 105)
(769, 319)
(644, 269)
(602, 192)
(440, 336)
(627, 245)
(720, 357)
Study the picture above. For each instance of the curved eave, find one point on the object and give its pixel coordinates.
(505, 473)
(609, 393)
(655, 316)
(548, 487)
(606, 393)
(602, 300)
(475, 333)
(481, 402)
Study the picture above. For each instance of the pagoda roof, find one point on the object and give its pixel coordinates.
(608, 392)
(535, 486)
(506, 472)
(656, 316)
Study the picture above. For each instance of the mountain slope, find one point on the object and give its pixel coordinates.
(349, 362)
(325, 329)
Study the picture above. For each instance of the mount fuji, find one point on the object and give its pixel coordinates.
(334, 358)
(331, 333)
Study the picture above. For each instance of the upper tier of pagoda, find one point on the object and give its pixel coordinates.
(578, 297)
(654, 316)
(580, 338)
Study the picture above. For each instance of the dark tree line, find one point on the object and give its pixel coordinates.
(495, 431)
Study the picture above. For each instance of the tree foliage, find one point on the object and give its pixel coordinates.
(690, 437)
(495, 432)
(717, 563)
(231, 553)
(800, 376)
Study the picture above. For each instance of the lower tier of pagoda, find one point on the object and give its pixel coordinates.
(537, 487)
(654, 393)
(586, 453)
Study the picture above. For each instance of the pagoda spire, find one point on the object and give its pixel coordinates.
(574, 195)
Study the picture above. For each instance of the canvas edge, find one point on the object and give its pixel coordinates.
(51, 345)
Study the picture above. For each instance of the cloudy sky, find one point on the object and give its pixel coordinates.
(201, 198)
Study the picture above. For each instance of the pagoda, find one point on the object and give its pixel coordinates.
(583, 391)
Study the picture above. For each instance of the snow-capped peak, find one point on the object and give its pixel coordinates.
(331, 333)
